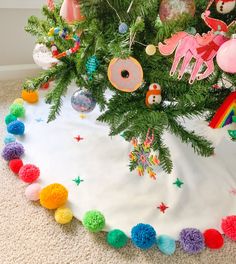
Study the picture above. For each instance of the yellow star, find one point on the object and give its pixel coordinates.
(82, 116)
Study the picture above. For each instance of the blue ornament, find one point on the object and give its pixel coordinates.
(16, 128)
(9, 139)
(123, 28)
(166, 245)
(83, 101)
(91, 65)
(143, 236)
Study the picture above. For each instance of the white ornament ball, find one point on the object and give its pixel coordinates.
(151, 50)
(123, 28)
(32, 192)
(225, 7)
(43, 57)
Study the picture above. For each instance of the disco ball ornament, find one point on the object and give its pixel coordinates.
(173, 9)
(226, 56)
(83, 101)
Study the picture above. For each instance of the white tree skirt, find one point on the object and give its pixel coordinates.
(123, 197)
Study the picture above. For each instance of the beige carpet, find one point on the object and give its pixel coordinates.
(29, 234)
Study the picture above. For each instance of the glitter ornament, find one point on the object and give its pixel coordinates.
(173, 9)
(225, 6)
(151, 50)
(226, 56)
(91, 66)
(123, 28)
(82, 101)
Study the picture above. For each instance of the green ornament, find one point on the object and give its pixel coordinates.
(10, 118)
(94, 221)
(117, 238)
(17, 110)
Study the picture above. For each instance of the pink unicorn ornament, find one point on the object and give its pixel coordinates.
(70, 11)
(201, 48)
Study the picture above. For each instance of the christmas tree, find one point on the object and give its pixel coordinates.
(107, 31)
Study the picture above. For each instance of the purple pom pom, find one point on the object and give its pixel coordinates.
(12, 151)
(192, 240)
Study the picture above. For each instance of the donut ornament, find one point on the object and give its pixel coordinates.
(153, 95)
(125, 74)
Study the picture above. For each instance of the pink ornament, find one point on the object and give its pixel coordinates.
(32, 192)
(226, 56)
(51, 5)
(202, 48)
(70, 11)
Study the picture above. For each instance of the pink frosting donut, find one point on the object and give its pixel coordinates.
(125, 74)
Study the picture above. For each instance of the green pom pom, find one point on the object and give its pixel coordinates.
(17, 110)
(94, 221)
(10, 118)
(117, 238)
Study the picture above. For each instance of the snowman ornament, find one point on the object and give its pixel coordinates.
(153, 95)
(225, 6)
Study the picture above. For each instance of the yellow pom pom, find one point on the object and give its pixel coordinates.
(53, 196)
(63, 215)
(18, 101)
(151, 50)
(30, 97)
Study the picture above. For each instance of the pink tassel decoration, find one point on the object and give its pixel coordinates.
(51, 5)
(70, 11)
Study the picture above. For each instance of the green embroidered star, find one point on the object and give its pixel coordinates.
(178, 183)
(78, 180)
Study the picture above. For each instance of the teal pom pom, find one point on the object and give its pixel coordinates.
(17, 110)
(9, 139)
(117, 238)
(166, 245)
(16, 128)
(94, 221)
(92, 65)
(9, 118)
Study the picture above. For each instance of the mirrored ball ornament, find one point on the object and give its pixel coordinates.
(83, 101)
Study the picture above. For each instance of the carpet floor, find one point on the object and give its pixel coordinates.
(29, 234)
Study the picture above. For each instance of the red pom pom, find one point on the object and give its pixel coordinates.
(213, 239)
(15, 165)
(45, 85)
(228, 225)
(29, 173)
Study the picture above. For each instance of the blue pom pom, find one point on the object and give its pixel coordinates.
(123, 28)
(16, 128)
(166, 245)
(143, 236)
(9, 139)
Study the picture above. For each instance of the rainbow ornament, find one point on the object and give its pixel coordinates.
(224, 115)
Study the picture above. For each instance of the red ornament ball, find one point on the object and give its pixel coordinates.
(228, 226)
(45, 85)
(15, 165)
(29, 173)
(213, 239)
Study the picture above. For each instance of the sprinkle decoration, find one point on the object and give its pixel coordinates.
(142, 157)
(78, 180)
(162, 207)
(143, 236)
(178, 183)
(79, 138)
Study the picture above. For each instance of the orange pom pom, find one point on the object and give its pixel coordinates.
(30, 97)
(53, 196)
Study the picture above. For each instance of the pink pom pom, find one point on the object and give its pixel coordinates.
(29, 173)
(228, 225)
(32, 192)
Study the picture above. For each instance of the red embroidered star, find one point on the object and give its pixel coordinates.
(78, 138)
(162, 207)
